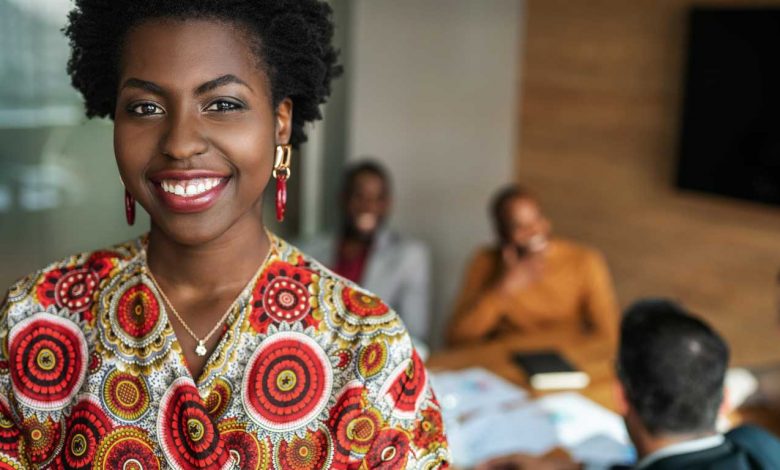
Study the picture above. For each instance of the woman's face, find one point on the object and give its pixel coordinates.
(195, 128)
(527, 227)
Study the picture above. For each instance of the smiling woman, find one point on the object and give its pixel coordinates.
(264, 359)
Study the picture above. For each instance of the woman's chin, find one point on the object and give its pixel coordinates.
(191, 231)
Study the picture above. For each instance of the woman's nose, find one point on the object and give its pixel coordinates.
(184, 138)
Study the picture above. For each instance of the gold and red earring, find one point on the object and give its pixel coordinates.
(281, 174)
(129, 208)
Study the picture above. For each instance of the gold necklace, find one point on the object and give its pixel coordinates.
(200, 349)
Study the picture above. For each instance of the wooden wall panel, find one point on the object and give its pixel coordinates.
(600, 105)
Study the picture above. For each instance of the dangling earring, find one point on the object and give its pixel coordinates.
(129, 208)
(281, 173)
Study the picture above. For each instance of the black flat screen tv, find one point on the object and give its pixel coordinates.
(730, 139)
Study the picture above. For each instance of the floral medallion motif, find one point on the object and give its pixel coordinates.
(247, 451)
(287, 382)
(127, 448)
(282, 295)
(354, 424)
(125, 395)
(312, 452)
(187, 433)
(133, 324)
(48, 360)
(86, 426)
(405, 389)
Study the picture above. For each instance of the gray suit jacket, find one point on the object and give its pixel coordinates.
(398, 270)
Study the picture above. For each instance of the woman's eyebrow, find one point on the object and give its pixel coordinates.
(143, 85)
(218, 82)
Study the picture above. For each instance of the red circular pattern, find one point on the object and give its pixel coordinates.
(372, 358)
(9, 434)
(363, 304)
(42, 439)
(282, 295)
(48, 361)
(312, 452)
(389, 451)
(286, 300)
(74, 290)
(406, 387)
(86, 426)
(138, 311)
(245, 449)
(127, 448)
(187, 433)
(354, 425)
(287, 383)
(219, 398)
(125, 395)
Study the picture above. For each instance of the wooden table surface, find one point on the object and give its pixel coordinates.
(590, 355)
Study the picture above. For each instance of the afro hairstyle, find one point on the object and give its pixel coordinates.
(292, 39)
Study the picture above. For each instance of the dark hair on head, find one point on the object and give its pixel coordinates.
(292, 38)
(501, 198)
(371, 167)
(672, 366)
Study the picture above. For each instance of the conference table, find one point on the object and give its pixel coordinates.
(595, 357)
(590, 355)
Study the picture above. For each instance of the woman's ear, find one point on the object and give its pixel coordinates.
(283, 116)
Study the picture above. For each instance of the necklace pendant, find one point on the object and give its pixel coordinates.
(201, 349)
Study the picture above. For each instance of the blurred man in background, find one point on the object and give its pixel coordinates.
(529, 282)
(366, 251)
(671, 369)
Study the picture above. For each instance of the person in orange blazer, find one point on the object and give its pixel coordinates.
(531, 282)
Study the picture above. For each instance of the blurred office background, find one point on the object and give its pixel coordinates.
(580, 101)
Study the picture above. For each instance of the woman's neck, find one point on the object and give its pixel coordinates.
(225, 263)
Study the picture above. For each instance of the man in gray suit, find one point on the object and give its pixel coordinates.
(366, 251)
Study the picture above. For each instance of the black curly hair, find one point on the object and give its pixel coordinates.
(292, 39)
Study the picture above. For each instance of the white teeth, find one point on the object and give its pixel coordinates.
(187, 188)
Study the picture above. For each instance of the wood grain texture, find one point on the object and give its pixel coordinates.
(600, 103)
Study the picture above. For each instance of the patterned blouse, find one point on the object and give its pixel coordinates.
(311, 372)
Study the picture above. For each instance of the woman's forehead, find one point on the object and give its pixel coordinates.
(187, 53)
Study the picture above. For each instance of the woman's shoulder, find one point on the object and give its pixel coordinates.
(350, 311)
(66, 286)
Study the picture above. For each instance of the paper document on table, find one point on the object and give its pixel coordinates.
(466, 391)
(487, 416)
(587, 430)
(525, 428)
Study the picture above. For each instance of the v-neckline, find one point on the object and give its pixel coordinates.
(235, 318)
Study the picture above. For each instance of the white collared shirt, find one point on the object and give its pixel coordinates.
(685, 447)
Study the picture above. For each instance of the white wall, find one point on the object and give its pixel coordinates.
(432, 94)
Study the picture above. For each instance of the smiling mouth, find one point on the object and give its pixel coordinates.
(184, 193)
(189, 188)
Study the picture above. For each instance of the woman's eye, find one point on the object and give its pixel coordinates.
(223, 106)
(146, 109)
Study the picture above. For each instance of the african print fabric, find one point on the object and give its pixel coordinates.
(311, 372)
